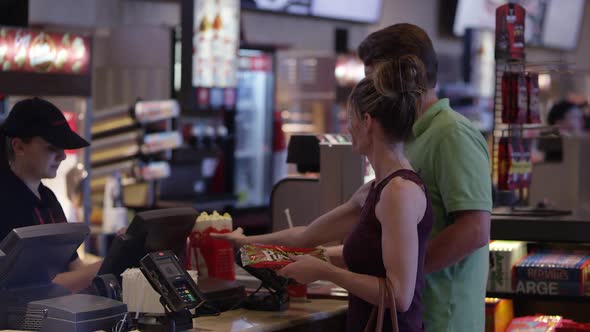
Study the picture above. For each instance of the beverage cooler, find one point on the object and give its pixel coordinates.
(254, 116)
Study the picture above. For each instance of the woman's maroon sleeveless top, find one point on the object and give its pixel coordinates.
(363, 254)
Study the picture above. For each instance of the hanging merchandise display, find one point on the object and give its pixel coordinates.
(516, 106)
(510, 32)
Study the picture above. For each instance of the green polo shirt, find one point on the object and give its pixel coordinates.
(452, 158)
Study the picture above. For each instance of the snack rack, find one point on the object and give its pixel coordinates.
(511, 158)
(508, 131)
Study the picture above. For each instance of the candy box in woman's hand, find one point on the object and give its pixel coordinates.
(275, 257)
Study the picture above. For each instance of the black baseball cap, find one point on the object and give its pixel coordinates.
(37, 117)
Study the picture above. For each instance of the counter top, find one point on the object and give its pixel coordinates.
(574, 228)
(299, 314)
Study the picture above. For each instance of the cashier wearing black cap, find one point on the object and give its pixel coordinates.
(32, 143)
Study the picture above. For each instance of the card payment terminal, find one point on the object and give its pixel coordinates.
(167, 277)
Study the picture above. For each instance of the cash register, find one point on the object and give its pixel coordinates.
(30, 257)
(155, 242)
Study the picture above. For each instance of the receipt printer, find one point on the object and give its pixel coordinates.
(78, 312)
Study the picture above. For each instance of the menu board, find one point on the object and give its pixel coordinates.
(25, 50)
(215, 43)
(365, 11)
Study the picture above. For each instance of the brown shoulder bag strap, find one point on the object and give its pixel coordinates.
(386, 298)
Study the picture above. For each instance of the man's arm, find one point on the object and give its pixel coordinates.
(445, 249)
(79, 277)
(462, 173)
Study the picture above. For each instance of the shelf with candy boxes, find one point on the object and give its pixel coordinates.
(543, 276)
(209, 256)
(545, 323)
(500, 318)
(556, 272)
(499, 315)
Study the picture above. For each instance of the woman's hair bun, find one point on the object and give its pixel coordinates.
(405, 74)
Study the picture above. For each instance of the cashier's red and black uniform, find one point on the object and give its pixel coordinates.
(19, 207)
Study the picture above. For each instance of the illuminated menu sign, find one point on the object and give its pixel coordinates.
(24, 50)
(215, 43)
(364, 11)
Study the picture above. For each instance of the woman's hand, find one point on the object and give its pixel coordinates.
(306, 269)
(236, 238)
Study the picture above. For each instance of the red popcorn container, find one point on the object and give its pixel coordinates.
(211, 257)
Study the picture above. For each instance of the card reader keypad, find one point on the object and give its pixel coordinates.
(184, 292)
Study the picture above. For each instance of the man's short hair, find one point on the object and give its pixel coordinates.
(398, 40)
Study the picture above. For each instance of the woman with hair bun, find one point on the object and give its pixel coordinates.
(386, 224)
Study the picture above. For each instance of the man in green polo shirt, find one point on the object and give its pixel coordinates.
(453, 160)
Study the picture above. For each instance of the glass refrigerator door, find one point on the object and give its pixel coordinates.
(253, 128)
